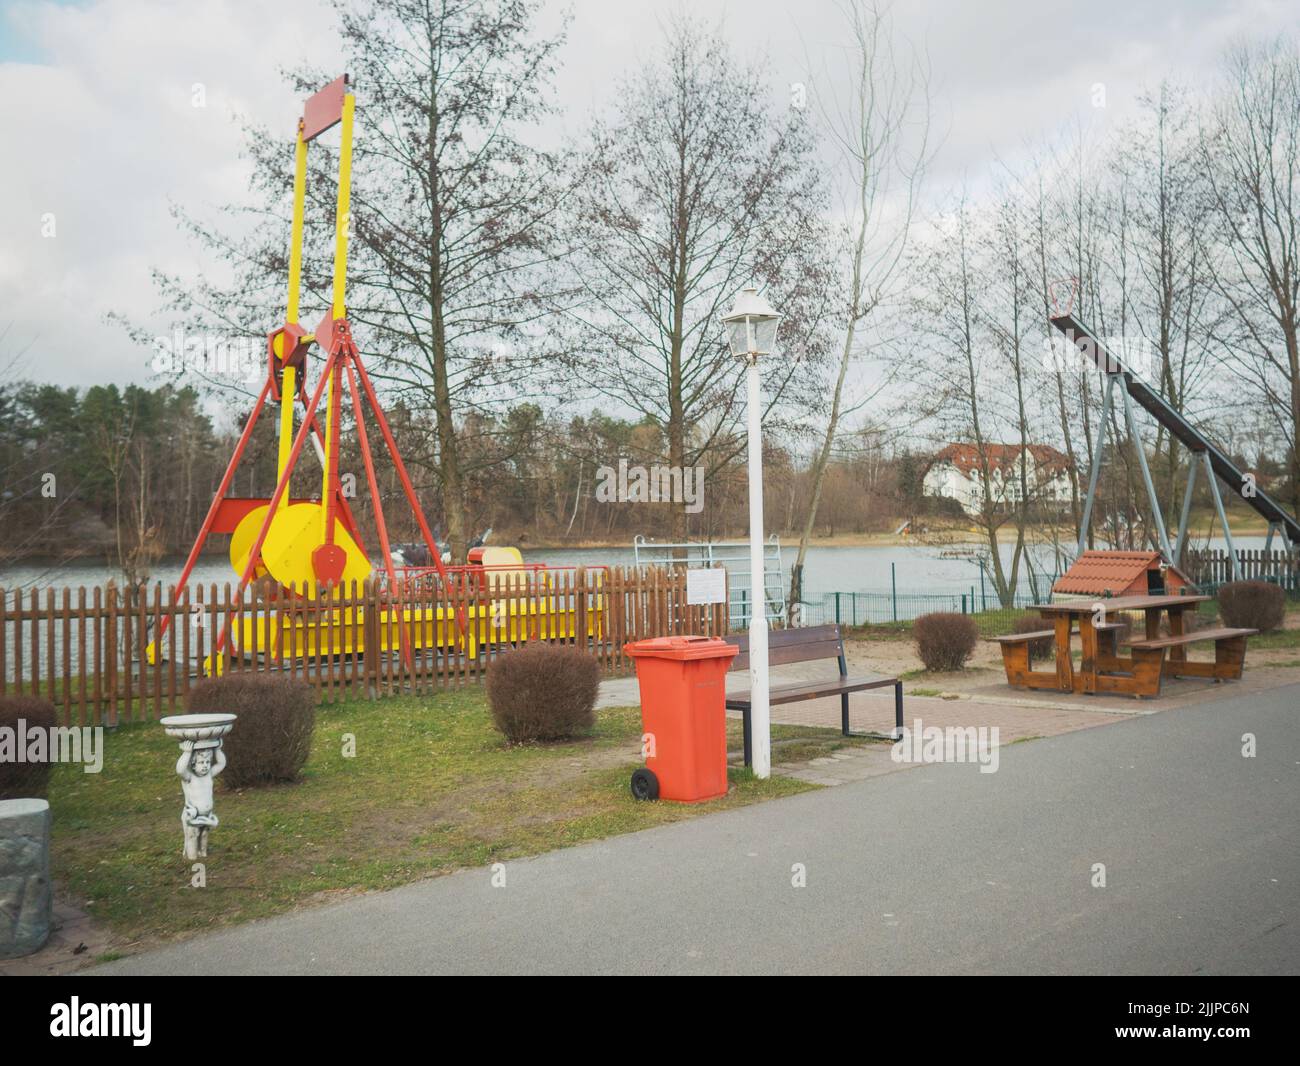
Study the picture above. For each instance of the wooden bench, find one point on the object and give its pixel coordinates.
(1015, 653)
(810, 644)
(1142, 671)
(1229, 653)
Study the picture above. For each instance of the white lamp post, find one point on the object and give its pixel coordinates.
(751, 332)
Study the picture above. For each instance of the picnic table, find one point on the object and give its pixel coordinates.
(1102, 668)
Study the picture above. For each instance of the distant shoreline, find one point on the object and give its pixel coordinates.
(936, 539)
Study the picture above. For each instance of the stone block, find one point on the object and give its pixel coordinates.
(25, 895)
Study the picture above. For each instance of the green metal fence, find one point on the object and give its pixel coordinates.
(889, 605)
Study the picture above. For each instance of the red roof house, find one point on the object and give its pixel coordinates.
(1106, 574)
(957, 473)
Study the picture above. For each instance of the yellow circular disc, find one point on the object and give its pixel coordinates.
(241, 541)
(296, 531)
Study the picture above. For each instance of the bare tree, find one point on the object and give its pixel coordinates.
(977, 372)
(1069, 207)
(881, 132)
(693, 187)
(1012, 299)
(1251, 153)
(1170, 296)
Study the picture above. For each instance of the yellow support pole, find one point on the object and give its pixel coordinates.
(325, 473)
(341, 218)
(289, 386)
(287, 390)
(295, 241)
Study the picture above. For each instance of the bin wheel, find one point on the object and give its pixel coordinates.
(645, 786)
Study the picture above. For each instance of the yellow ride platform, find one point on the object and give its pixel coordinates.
(345, 631)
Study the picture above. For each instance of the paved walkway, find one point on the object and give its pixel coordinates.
(1017, 714)
(939, 869)
(874, 712)
(1018, 719)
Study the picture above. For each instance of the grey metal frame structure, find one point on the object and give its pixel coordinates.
(734, 556)
(1216, 463)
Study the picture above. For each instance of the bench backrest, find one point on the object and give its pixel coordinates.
(801, 645)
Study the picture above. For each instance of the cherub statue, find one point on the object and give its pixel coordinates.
(197, 768)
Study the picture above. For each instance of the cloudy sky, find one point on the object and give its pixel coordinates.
(101, 134)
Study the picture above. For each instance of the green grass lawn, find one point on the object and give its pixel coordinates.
(1279, 638)
(432, 788)
(990, 623)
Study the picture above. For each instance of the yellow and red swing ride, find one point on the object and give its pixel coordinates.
(312, 548)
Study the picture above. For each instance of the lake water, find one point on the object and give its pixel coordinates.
(916, 569)
(928, 579)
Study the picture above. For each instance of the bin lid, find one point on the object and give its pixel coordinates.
(681, 648)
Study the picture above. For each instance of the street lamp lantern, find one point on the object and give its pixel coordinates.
(751, 325)
(751, 332)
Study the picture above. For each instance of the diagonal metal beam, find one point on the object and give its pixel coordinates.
(1186, 513)
(1085, 524)
(1095, 349)
(1159, 519)
(1223, 518)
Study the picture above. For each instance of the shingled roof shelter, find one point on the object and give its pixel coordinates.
(1105, 574)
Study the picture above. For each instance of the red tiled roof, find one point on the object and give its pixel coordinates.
(966, 457)
(1096, 573)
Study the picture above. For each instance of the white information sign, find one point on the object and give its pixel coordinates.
(706, 585)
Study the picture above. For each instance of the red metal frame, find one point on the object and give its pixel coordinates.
(344, 366)
(343, 355)
(213, 510)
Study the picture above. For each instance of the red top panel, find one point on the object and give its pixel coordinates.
(234, 509)
(325, 109)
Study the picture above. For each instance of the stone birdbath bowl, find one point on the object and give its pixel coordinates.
(197, 727)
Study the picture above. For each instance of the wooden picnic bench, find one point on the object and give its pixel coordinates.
(1102, 668)
(1016, 658)
(802, 645)
(1229, 652)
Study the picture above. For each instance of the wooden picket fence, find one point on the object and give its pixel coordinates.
(1213, 567)
(86, 649)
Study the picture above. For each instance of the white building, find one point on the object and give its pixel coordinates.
(956, 474)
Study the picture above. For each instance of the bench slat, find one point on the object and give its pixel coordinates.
(808, 690)
(782, 651)
(1021, 638)
(804, 634)
(803, 653)
(1043, 634)
(782, 637)
(1192, 638)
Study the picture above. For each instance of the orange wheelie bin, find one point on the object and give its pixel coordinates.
(683, 717)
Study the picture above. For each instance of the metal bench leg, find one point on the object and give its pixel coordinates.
(749, 741)
(898, 711)
(844, 713)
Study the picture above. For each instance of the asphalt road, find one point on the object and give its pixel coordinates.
(940, 869)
